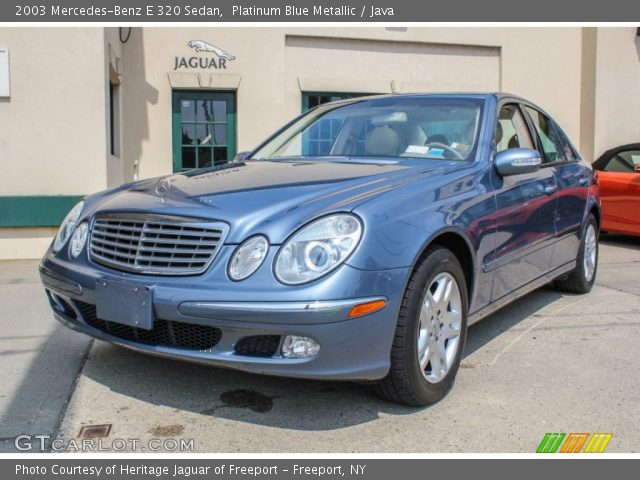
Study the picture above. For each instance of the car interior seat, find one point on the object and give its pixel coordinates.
(383, 141)
(498, 135)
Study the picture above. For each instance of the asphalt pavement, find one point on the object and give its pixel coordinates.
(549, 362)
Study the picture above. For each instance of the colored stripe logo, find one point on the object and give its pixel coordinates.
(598, 443)
(574, 442)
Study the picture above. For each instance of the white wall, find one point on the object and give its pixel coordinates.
(617, 112)
(52, 133)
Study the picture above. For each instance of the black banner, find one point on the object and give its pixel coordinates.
(292, 469)
(228, 11)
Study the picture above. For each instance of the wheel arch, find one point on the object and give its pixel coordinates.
(597, 213)
(457, 242)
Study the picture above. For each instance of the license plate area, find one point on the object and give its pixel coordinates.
(125, 303)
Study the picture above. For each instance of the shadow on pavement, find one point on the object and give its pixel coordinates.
(493, 326)
(625, 241)
(39, 400)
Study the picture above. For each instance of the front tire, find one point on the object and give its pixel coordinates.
(430, 332)
(582, 278)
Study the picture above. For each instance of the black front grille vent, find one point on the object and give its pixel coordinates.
(258, 345)
(166, 333)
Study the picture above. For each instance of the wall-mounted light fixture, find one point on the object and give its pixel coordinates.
(125, 33)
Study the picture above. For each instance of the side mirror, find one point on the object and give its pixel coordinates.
(240, 156)
(515, 161)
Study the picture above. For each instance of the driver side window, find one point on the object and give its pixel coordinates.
(624, 162)
(511, 130)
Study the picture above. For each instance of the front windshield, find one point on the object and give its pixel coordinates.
(403, 126)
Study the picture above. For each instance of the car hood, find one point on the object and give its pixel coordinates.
(267, 197)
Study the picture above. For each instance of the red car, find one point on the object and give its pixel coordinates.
(619, 175)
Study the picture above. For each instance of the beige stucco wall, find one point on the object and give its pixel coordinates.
(52, 128)
(617, 99)
(19, 243)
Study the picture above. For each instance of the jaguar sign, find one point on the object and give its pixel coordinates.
(210, 56)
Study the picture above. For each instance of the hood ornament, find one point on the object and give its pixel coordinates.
(162, 187)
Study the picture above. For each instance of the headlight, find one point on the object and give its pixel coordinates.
(318, 248)
(78, 239)
(67, 226)
(248, 257)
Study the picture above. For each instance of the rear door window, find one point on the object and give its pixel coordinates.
(570, 154)
(554, 148)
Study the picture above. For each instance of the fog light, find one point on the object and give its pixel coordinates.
(299, 347)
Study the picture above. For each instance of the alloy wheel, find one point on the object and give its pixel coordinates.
(590, 252)
(439, 327)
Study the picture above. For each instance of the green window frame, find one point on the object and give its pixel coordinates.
(204, 128)
(313, 99)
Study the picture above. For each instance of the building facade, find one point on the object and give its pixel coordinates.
(85, 109)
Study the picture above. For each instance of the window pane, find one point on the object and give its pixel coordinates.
(317, 140)
(220, 154)
(204, 157)
(220, 135)
(188, 157)
(389, 127)
(204, 134)
(187, 110)
(202, 124)
(188, 134)
(203, 111)
(551, 144)
(219, 110)
(511, 131)
(632, 157)
(567, 149)
(624, 162)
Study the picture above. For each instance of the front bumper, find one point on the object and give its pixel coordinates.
(350, 349)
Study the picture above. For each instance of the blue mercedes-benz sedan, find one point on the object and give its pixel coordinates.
(357, 243)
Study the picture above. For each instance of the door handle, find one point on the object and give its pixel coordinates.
(549, 189)
(583, 181)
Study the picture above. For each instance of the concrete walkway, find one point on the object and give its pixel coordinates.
(41, 359)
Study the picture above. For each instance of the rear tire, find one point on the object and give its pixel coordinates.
(582, 278)
(430, 332)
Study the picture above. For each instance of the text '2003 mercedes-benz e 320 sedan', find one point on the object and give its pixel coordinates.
(357, 243)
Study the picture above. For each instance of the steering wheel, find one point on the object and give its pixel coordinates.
(449, 149)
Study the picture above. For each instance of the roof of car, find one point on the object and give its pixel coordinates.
(497, 95)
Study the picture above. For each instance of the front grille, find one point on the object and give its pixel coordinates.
(258, 345)
(166, 333)
(155, 244)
